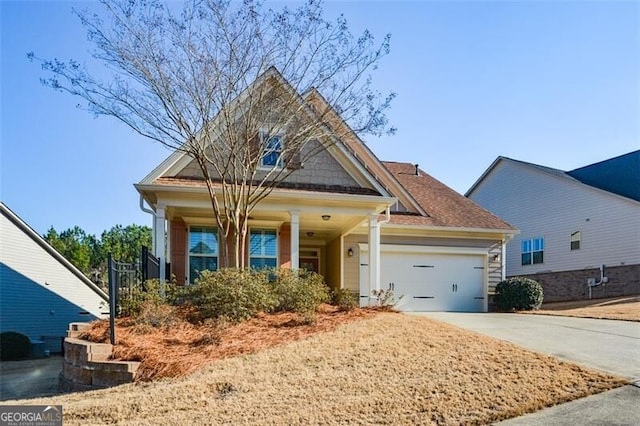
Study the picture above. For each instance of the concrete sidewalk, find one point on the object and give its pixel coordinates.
(606, 345)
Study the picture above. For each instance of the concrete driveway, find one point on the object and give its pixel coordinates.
(607, 345)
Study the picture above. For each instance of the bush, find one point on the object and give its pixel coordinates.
(156, 315)
(343, 299)
(519, 293)
(385, 298)
(299, 291)
(150, 294)
(232, 293)
(14, 346)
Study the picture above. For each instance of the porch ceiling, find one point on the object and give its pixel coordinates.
(313, 228)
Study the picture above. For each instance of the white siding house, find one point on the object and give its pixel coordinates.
(40, 291)
(568, 229)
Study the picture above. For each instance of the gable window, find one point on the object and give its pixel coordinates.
(203, 251)
(532, 251)
(272, 156)
(575, 240)
(263, 244)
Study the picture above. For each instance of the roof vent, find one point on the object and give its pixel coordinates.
(417, 170)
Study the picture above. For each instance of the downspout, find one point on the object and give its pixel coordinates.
(153, 223)
(388, 218)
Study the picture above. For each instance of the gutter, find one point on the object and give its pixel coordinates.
(153, 222)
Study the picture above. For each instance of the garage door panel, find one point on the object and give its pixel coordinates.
(434, 282)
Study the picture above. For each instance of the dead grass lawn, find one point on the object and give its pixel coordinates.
(387, 369)
(619, 308)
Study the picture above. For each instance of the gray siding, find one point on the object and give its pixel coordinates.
(321, 169)
(545, 205)
(39, 296)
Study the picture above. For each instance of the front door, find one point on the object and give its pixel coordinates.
(309, 263)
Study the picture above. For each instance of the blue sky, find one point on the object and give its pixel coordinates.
(554, 83)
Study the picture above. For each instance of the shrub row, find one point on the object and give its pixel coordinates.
(237, 294)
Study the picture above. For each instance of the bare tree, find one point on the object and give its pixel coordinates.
(235, 86)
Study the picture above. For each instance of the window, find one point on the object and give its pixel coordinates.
(203, 251)
(263, 244)
(532, 251)
(575, 240)
(272, 156)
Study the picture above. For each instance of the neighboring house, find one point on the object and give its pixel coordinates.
(40, 291)
(570, 223)
(361, 223)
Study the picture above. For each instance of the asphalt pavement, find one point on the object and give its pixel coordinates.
(606, 345)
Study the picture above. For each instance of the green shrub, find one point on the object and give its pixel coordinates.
(14, 346)
(519, 293)
(344, 299)
(156, 315)
(232, 293)
(135, 299)
(299, 291)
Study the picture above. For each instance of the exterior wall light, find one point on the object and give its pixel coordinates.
(350, 252)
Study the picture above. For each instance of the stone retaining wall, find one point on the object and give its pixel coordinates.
(572, 285)
(87, 366)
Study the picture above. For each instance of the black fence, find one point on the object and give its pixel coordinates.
(127, 281)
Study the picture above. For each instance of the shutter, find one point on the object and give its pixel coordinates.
(178, 247)
(254, 148)
(293, 160)
(284, 240)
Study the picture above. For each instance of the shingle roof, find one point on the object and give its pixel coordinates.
(444, 206)
(619, 175)
(200, 183)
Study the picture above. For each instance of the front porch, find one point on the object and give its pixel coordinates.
(289, 229)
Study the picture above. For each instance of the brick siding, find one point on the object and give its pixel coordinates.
(572, 285)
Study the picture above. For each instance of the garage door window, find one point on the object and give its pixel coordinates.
(533, 251)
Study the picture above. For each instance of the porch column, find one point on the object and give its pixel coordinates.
(295, 240)
(503, 260)
(374, 254)
(160, 244)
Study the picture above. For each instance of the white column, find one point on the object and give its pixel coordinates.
(160, 247)
(374, 254)
(503, 260)
(295, 240)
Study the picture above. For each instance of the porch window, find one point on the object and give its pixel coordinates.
(272, 156)
(203, 251)
(532, 251)
(263, 244)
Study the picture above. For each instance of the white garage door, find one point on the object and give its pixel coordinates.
(430, 281)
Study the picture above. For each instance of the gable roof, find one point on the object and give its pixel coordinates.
(29, 232)
(619, 175)
(179, 159)
(444, 206)
(361, 152)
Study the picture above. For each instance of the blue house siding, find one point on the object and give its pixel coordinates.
(29, 308)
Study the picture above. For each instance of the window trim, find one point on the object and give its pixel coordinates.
(265, 136)
(263, 229)
(578, 240)
(532, 251)
(189, 255)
